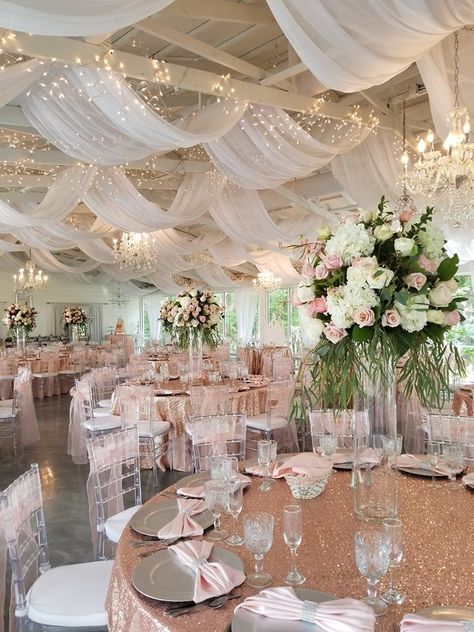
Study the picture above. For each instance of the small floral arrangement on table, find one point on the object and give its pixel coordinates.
(20, 315)
(74, 316)
(196, 310)
(379, 288)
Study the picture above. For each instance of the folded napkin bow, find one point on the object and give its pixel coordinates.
(367, 456)
(303, 463)
(183, 525)
(415, 623)
(198, 491)
(212, 578)
(340, 615)
(410, 461)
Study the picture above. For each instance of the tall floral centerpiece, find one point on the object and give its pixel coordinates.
(191, 319)
(20, 319)
(379, 292)
(75, 320)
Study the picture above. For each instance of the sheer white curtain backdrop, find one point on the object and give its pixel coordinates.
(152, 306)
(66, 17)
(246, 307)
(352, 45)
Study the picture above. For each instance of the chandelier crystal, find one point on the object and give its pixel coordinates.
(135, 252)
(266, 281)
(446, 176)
(29, 279)
(116, 296)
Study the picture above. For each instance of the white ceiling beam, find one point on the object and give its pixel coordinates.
(156, 28)
(286, 73)
(305, 203)
(70, 51)
(220, 11)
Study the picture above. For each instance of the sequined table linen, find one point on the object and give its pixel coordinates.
(437, 569)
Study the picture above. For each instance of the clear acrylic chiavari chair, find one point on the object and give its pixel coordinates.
(216, 435)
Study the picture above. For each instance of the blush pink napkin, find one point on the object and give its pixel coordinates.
(198, 491)
(367, 456)
(415, 623)
(304, 463)
(212, 578)
(411, 461)
(183, 525)
(340, 615)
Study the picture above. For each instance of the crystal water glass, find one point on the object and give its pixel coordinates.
(216, 497)
(434, 450)
(233, 508)
(293, 536)
(393, 527)
(266, 454)
(372, 553)
(258, 534)
(220, 468)
(324, 444)
(453, 456)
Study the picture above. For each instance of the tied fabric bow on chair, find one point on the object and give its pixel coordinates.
(415, 623)
(212, 578)
(340, 615)
(183, 525)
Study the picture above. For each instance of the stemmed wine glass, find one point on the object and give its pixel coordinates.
(233, 508)
(293, 536)
(434, 449)
(216, 496)
(372, 552)
(266, 454)
(393, 527)
(258, 534)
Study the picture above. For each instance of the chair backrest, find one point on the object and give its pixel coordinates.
(136, 405)
(85, 388)
(115, 467)
(279, 396)
(138, 358)
(138, 369)
(104, 382)
(22, 520)
(216, 435)
(49, 363)
(209, 400)
(282, 368)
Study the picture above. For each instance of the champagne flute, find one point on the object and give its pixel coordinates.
(233, 508)
(216, 495)
(372, 552)
(393, 527)
(434, 449)
(266, 453)
(293, 536)
(258, 534)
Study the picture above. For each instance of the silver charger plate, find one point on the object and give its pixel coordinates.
(151, 518)
(246, 621)
(160, 392)
(162, 576)
(448, 613)
(420, 472)
(197, 480)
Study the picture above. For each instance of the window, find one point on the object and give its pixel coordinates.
(280, 310)
(463, 334)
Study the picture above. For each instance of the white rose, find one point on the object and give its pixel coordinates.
(380, 278)
(435, 316)
(312, 328)
(305, 293)
(356, 276)
(383, 232)
(369, 216)
(413, 315)
(184, 301)
(442, 293)
(404, 246)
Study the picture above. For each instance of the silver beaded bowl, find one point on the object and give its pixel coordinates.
(306, 487)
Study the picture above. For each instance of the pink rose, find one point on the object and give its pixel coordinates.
(416, 280)
(427, 264)
(202, 319)
(390, 318)
(332, 262)
(321, 272)
(406, 215)
(364, 316)
(452, 318)
(334, 334)
(308, 271)
(318, 306)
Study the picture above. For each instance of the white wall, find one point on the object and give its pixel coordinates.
(61, 290)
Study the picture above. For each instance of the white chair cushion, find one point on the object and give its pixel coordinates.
(158, 428)
(116, 524)
(108, 422)
(105, 403)
(101, 412)
(259, 422)
(6, 403)
(71, 596)
(6, 413)
(7, 377)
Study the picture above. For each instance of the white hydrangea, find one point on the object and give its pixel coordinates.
(343, 301)
(413, 315)
(431, 240)
(351, 241)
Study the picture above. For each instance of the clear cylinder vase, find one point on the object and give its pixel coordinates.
(20, 335)
(375, 420)
(76, 333)
(195, 354)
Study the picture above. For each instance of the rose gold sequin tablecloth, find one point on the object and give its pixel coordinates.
(438, 566)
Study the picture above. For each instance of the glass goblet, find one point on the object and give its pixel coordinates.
(216, 496)
(324, 444)
(293, 536)
(258, 534)
(220, 467)
(372, 553)
(453, 456)
(434, 450)
(393, 527)
(266, 454)
(233, 508)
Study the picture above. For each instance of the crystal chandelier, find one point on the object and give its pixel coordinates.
(405, 203)
(446, 176)
(28, 279)
(135, 252)
(266, 281)
(116, 297)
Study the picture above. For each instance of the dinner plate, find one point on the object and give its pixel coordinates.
(162, 576)
(197, 480)
(448, 613)
(246, 621)
(160, 392)
(420, 472)
(151, 518)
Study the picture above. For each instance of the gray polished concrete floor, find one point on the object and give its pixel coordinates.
(63, 483)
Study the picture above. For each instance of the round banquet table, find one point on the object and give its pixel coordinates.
(437, 568)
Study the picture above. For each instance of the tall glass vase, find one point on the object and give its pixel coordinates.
(76, 333)
(195, 354)
(20, 335)
(375, 426)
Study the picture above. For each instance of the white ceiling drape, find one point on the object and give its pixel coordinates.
(16, 78)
